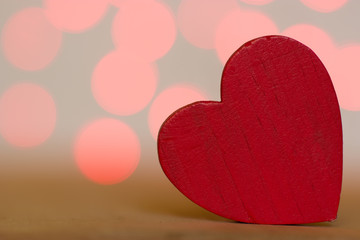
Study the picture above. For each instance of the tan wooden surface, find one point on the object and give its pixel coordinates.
(145, 206)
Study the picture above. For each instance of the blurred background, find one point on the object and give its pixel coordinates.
(86, 84)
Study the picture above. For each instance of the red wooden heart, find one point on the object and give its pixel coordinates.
(271, 151)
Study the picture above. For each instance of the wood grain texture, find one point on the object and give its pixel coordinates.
(271, 151)
(65, 206)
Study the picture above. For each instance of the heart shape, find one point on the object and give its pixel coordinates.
(271, 151)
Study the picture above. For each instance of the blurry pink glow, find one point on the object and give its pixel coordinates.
(107, 151)
(342, 64)
(239, 27)
(198, 19)
(75, 16)
(345, 74)
(168, 101)
(257, 2)
(116, 3)
(122, 86)
(29, 41)
(143, 29)
(324, 5)
(315, 38)
(28, 115)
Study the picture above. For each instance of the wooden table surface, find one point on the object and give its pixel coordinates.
(145, 206)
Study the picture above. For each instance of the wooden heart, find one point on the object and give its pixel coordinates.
(271, 151)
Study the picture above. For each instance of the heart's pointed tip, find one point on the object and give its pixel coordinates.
(333, 219)
(328, 219)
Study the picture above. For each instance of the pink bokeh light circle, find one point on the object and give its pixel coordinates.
(28, 115)
(324, 6)
(116, 3)
(257, 2)
(170, 100)
(239, 27)
(122, 86)
(345, 74)
(75, 16)
(107, 151)
(315, 38)
(29, 41)
(198, 19)
(340, 62)
(144, 29)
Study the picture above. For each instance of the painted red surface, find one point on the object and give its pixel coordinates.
(271, 151)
